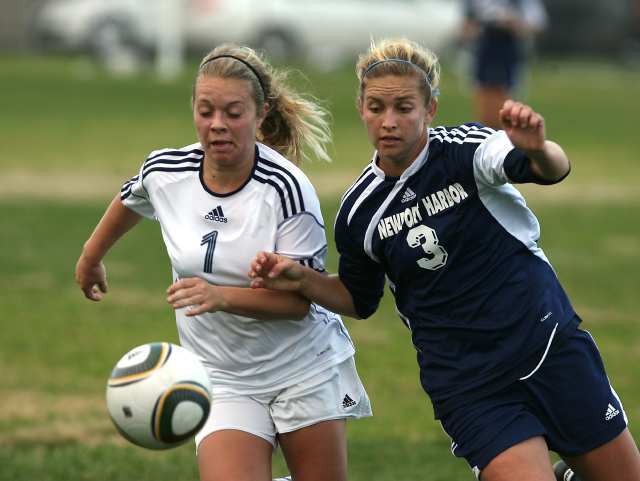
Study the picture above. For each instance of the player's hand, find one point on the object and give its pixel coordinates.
(92, 278)
(197, 295)
(273, 271)
(523, 125)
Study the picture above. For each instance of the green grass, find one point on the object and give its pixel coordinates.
(69, 115)
(58, 345)
(56, 348)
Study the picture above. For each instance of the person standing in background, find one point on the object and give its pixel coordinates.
(499, 33)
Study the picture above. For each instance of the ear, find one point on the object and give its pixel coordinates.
(262, 114)
(431, 110)
(359, 106)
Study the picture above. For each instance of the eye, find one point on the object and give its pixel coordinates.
(374, 108)
(204, 112)
(405, 108)
(235, 112)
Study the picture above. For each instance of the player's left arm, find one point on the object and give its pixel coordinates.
(199, 296)
(526, 130)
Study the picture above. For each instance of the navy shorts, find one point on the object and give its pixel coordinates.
(497, 64)
(568, 400)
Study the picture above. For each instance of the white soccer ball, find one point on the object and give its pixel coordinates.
(158, 395)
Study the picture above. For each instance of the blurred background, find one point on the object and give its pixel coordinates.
(89, 87)
(325, 33)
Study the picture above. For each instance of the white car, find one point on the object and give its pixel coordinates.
(323, 32)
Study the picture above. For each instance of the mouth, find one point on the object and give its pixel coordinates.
(389, 139)
(220, 144)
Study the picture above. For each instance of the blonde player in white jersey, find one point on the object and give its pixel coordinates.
(281, 368)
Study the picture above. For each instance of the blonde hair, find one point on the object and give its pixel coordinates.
(402, 57)
(294, 124)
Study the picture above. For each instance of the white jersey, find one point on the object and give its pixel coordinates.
(215, 237)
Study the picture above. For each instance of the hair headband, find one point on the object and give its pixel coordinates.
(242, 61)
(434, 92)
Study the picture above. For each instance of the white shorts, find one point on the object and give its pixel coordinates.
(335, 393)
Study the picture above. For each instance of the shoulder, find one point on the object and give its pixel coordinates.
(275, 164)
(362, 182)
(176, 154)
(456, 147)
(287, 180)
(467, 134)
(357, 193)
(182, 159)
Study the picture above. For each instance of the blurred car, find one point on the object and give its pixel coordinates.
(323, 32)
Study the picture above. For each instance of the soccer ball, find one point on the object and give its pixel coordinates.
(158, 395)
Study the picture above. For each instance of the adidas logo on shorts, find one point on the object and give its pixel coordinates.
(347, 402)
(611, 413)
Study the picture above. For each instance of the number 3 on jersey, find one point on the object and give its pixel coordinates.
(425, 237)
(210, 241)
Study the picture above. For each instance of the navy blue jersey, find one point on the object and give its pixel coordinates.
(458, 246)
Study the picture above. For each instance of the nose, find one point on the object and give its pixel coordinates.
(217, 122)
(389, 120)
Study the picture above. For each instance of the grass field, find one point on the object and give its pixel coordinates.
(71, 134)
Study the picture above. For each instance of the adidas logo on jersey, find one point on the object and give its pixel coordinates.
(216, 215)
(611, 413)
(408, 196)
(347, 402)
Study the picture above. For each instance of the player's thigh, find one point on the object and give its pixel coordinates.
(242, 413)
(525, 461)
(317, 452)
(236, 442)
(234, 455)
(597, 465)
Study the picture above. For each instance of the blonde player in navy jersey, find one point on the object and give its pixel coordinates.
(509, 373)
(281, 367)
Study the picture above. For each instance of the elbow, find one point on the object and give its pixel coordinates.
(556, 166)
(301, 309)
(549, 174)
(363, 311)
(565, 174)
(558, 176)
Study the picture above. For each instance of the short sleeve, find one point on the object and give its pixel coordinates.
(301, 233)
(489, 159)
(497, 162)
(135, 197)
(302, 238)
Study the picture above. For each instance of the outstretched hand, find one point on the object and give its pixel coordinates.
(524, 127)
(92, 278)
(273, 271)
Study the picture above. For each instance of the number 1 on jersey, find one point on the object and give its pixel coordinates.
(210, 241)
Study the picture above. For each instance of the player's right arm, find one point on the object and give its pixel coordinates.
(273, 271)
(90, 272)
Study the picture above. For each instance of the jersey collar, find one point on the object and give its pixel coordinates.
(248, 179)
(416, 165)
